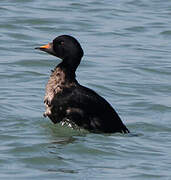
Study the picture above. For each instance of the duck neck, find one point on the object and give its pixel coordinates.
(68, 69)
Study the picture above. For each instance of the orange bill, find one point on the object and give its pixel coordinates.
(47, 46)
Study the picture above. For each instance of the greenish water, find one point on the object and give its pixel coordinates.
(127, 60)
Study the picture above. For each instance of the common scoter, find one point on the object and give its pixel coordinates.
(68, 101)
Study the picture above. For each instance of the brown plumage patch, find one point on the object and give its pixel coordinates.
(55, 85)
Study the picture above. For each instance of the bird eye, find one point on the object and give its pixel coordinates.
(61, 42)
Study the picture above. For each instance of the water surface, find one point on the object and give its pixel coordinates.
(127, 60)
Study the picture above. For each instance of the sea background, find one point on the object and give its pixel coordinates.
(127, 60)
